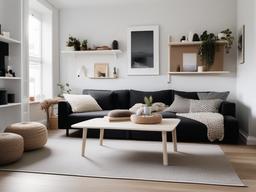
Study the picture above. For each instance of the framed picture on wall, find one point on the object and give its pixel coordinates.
(100, 70)
(241, 45)
(143, 50)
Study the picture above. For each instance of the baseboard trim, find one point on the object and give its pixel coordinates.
(245, 139)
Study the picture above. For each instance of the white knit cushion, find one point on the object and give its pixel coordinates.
(82, 103)
(205, 105)
(179, 105)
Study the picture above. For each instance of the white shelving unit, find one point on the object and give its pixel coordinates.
(8, 40)
(94, 52)
(10, 78)
(10, 105)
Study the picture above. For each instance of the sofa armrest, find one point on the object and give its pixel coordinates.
(64, 109)
(228, 108)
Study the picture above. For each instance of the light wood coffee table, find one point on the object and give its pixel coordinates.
(167, 125)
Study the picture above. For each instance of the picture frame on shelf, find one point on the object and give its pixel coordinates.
(241, 45)
(101, 70)
(143, 50)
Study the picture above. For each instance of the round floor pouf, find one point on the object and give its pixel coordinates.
(34, 134)
(11, 148)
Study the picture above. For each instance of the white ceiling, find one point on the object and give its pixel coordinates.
(62, 4)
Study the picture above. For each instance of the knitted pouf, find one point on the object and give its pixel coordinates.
(34, 134)
(11, 148)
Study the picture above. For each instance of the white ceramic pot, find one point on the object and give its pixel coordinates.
(147, 110)
(200, 68)
(221, 35)
(70, 48)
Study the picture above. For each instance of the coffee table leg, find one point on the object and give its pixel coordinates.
(84, 140)
(174, 140)
(101, 136)
(165, 154)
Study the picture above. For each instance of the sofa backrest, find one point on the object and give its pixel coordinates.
(108, 100)
(164, 96)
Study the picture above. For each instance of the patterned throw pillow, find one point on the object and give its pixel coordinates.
(179, 105)
(205, 105)
(213, 95)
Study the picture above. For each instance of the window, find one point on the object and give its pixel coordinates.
(35, 56)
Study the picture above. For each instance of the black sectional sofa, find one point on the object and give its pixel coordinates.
(188, 130)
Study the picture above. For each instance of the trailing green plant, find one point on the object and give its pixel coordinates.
(64, 88)
(148, 101)
(229, 38)
(207, 48)
(84, 45)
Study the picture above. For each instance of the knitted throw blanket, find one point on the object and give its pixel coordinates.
(213, 121)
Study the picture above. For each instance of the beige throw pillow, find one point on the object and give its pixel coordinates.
(212, 105)
(82, 103)
(179, 105)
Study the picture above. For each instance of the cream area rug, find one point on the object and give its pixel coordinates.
(122, 159)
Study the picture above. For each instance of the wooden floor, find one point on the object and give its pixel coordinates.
(243, 159)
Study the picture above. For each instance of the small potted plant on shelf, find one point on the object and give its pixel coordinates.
(84, 45)
(70, 43)
(227, 36)
(207, 49)
(77, 45)
(148, 104)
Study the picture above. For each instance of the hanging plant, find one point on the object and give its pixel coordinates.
(207, 48)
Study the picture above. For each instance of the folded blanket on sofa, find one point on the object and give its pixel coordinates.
(213, 121)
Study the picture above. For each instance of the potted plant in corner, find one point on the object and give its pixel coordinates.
(148, 104)
(207, 49)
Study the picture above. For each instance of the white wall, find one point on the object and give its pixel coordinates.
(102, 24)
(246, 92)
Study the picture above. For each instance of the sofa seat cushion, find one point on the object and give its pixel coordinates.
(88, 115)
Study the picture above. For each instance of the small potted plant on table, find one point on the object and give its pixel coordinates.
(148, 105)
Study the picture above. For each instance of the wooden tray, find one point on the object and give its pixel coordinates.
(153, 119)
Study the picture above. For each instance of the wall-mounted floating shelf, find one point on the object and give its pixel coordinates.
(187, 43)
(200, 73)
(8, 40)
(94, 52)
(10, 105)
(102, 77)
(10, 78)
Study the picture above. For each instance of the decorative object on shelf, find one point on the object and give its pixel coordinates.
(100, 70)
(104, 47)
(183, 38)
(207, 48)
(241, 45)
(11, 98)
(81, 70)
(190, 36)
(31, 99)
(196, 37)
(227, 36)
(84, 45)
(148, 104)
(115, 45)
(115, 75)
(200, 69)
(151, 119)
(3, 97)
(6, 34)
(77, 45)
(64, 89)
(189, 62)
(70, 43)
(143, 50)
(10, 72)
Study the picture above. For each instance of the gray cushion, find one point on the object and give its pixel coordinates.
(213, 95)
(179, 105)
(205, 105)
(120, 113)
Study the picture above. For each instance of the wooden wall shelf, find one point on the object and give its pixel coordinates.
(200, 73)
(177, 49)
